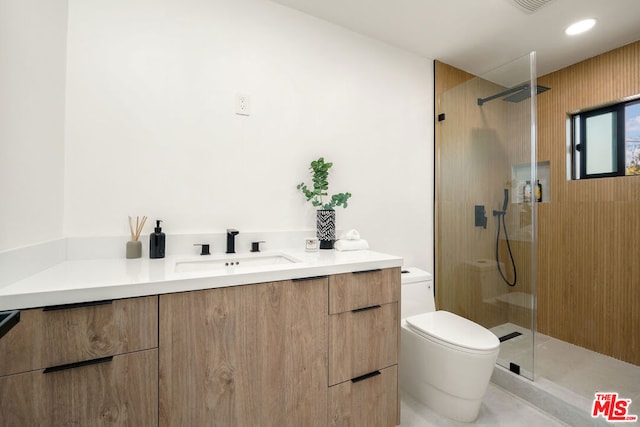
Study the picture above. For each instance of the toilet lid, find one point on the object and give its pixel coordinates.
(454, 330)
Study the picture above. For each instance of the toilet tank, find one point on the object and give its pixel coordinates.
(416, 293)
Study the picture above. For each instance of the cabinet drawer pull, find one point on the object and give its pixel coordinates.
(77, 364)
(76, 305)
(365, 376)
(375, 270)
(302, 279)
(358, 310)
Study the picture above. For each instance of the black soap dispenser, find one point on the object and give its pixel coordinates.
(156, 242)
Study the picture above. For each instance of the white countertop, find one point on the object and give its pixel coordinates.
(94, 280)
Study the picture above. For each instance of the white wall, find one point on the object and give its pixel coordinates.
(151, 128)
(32, 85)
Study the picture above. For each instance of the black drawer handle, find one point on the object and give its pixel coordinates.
(365, 376)
(76, 305)
(358, 310)
(77, 364)
(375, 270)
(302, 279)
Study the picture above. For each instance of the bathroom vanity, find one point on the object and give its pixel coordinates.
(315, 343)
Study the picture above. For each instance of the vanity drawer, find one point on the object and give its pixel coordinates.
(362, 341)
(119, 391)
(371, 400)
(58, 335)
(360, 289)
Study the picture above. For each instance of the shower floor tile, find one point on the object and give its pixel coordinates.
(567, 366)
(586, 372)
(515, 350)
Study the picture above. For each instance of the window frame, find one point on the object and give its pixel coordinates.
(579, 141)
(583, 147)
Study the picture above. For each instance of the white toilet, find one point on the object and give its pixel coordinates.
(446, 361)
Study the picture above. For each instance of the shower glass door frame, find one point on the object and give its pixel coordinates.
(486, 151)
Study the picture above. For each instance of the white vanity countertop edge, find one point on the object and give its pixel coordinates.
(94, 280)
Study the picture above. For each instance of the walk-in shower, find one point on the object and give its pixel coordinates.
(485, 154)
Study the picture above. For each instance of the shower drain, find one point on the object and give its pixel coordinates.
(509, 336)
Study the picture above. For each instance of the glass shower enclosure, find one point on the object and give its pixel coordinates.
(487, 186)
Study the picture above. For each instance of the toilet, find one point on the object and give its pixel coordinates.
(446, 361)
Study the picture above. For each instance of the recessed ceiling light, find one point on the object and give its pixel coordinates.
(580, 27)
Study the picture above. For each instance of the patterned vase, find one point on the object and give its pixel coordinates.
(326, 228)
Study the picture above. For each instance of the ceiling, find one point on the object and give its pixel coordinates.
(480, 35)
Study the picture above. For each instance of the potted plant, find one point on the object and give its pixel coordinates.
(326, 216)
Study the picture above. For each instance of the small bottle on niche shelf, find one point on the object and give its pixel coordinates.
(526, 192)
(538, 191)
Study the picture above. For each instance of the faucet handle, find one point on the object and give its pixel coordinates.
(255, 246)
(232, 231)
(205, 248)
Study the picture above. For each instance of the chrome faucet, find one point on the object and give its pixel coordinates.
(231, 240)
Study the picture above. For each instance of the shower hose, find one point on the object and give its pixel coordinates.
(501, 219)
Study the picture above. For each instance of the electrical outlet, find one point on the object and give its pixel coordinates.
(243, 105)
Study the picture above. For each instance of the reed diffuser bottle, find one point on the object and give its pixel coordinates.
(134, 246)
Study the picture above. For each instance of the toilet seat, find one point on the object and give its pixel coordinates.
(454, 331)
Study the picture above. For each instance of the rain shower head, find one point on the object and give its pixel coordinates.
(515, 94)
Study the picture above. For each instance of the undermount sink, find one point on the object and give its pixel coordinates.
(220, 262)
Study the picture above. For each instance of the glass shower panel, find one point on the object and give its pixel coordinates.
(485, 206)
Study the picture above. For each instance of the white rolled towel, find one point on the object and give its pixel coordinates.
(350, 235)
(351, 245)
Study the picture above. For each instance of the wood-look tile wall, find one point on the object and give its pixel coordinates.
(588, 251)
(589, 235)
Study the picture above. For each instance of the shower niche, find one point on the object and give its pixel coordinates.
(521, 173)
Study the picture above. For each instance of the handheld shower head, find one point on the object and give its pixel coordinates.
(505, 203)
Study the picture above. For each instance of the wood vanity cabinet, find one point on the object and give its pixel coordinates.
(253, 355)
(304, 352)
(363, 348)
(82, 364)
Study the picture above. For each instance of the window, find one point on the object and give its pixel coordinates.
(606, 141)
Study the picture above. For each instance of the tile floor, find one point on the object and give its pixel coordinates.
(499, 408)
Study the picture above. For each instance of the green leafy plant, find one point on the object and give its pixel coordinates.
(320, 175)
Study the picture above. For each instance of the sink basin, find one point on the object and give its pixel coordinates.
(8, 319)
(233, 261)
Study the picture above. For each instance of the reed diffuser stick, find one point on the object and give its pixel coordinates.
(131, 229)
(139, 230)
(135, 235)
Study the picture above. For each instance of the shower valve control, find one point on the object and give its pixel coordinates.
(480, 216)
